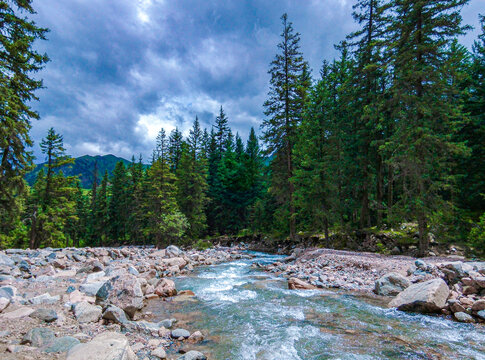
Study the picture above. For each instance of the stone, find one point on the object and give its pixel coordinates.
(420, 264)
(4, 302)
(481, 314)
(85, 312)
(44, 299)
(426, 297)
(297, 284)
(38, 337)
(115, 314)
(94, 277)
(186, 292)
(173, 251)
(159, 353)
(18, 313)
(47, 315)
(478, 305)
(6, 260)
(91, 289)
(8, 292)
(163, 332)
(196, 337)
(112, 346)
(62, 344)
(123, 291)
(132, 270)
(391, 284)
(456, 307)
(180, 333)
(166, 323)
(193, 355)
(76, 297)
(176, 261)
(166, 288)
(463, 317)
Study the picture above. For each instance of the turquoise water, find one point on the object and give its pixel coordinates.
(249, 314)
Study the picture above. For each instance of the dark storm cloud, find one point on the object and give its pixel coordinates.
(120, 70)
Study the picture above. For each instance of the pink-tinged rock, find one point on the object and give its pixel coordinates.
(17, 314)
(297, 284)
(478, 305)
(457, 307)
(166, 288)
(196, 337)
(176, 261)
(106, 346)
(123, 291)
(4, 303)
(426, 297)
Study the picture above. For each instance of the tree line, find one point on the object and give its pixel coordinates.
(391, 131)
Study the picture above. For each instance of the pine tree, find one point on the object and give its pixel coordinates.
(175, 149)
(221, 132)
(119, 203)
(422, 145)
(18, 64)
(283, 111)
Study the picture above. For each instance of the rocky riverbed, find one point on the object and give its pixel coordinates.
(89, 303)
(444, 285)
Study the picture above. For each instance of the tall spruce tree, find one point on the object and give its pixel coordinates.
(19, 61)
(283, 112)
(422, 145)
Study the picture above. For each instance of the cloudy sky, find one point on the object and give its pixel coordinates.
(122, 69)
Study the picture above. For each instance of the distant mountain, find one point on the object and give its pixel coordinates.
(84, 167)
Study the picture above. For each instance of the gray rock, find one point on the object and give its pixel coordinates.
(85, 312)
(38, 337)
(391, 284)
(167, 323)
(112, 346)
(173, 250)
(159, 353)
(123, 291)
(47, 315)
(45, 299)
(8, 292)
(426, 297)
(132, 270)
(463, 317)
(177, 333)
(62, 344)
(481, 314)
(6, 260)
(115, 314)
(193, 355)
(91, 289)
(4, 302)
(420, 264)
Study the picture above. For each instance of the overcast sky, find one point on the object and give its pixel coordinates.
(122, 69)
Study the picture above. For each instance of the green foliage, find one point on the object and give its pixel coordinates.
(477, 235)
(202, 245)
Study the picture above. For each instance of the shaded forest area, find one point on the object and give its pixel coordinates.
(390, 132)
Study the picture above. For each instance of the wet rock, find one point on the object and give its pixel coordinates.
(159, 353)
(463, 317)
(391, 284)
(166, 288)
(426, 297)
(196, 337)
(297, 284)
(178, 333)
(38, 337)
(85, 312)
(115, 314)
(62, 344)
(123, 291)
(47, 315)
(112, 345)
(193, 355)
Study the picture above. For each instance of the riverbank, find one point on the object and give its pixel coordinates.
(462, 295)
(67, 303)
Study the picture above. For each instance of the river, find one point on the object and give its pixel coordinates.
(249, 314)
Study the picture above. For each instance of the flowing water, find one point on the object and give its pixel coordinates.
(250, 314)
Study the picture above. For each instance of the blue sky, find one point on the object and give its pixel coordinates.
(122, 69)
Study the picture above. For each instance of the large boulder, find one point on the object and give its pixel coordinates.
(166, 288)
(173, 251)
(391, 284)
(115, 314)
(38, 337)
(105, 346)
(426, 297)
(297, 284)
(123, 291)
(176, 261)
